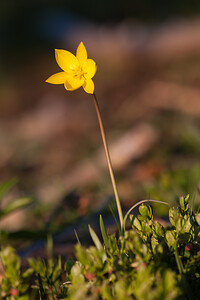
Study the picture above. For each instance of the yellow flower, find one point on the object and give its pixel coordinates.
(77, 70)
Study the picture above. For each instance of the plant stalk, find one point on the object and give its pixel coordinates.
(108, 160)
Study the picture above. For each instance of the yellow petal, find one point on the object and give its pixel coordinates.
(58, 78)
(89, 68)
(81, 53)
(88, 86)
(66, 60)
(73, 83)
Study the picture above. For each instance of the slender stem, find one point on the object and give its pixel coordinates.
(187, 288)
(179, 262)
(108, 160)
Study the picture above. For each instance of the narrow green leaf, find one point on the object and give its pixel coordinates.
(103, 231)
(41, 289)
(78, 240)
(6, 186)
(60, 262)
(95, 238)
(68, 265)
(49, 246)
(113, 214)
(15, 205)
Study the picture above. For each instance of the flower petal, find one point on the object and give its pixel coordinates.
(88, 86)
(66, 60)
(73, 83)
(58, 78)
(81, 53)
(89, 68)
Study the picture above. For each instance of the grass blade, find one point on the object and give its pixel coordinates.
(95, 238)
(113, 214)
(15, 205)
(41, 289)
(77, 237)
(49, 246)
(6, 186)
(103, 231)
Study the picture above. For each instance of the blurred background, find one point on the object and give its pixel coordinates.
(148, 86)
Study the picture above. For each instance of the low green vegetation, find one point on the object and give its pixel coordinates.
(148, 261)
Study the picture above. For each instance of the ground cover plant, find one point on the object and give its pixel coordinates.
(142, 260)
(147, 261)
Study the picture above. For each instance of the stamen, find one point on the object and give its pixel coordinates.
(78, 73)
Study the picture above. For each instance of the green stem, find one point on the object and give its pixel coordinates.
(179, 262)
(108, 160)
(181, 270)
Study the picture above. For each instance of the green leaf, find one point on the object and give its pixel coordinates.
(68, 265)
(95, 238)
(159, 229)
(197, 218)
(170, 237)
(41, 288)
(76, 274)
(154, 244)
(106, 291)
(6, 186)
(78, 240)
(174, 215)
(147, 228)
(27, 273)
(114, 217)
(187, 225)
(183, 226)
(15, 205)
(184, 202)
(23, 297)
(103, 231)
(145, 211)
(136, 224)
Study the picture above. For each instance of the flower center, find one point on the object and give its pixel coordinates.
(79, 74)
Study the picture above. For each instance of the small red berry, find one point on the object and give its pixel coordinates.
(89, 276)
(189, 247)
(14, 292)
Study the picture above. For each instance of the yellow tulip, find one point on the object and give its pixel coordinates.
(77, 70)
